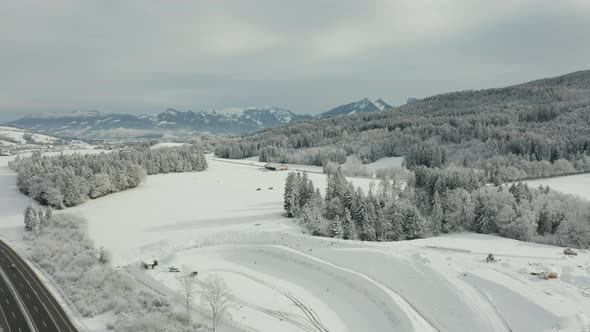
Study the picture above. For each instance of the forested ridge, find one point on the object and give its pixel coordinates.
(536, 129)
(69, 180)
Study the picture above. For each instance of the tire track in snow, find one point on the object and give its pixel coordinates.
(418, 319)
(487, 298)
(312, 317)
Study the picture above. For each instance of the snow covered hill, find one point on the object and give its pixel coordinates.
(15, 140)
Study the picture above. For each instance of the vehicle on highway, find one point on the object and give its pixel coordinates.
(12, 266)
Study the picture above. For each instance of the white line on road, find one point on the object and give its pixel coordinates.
(35, 307)
(13, 315)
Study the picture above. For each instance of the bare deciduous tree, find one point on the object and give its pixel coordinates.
(187, 284)
(215, 294)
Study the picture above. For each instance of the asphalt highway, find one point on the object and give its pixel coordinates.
(45, 313)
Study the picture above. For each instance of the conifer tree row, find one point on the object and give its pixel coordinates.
(69, 180)
(437, 201)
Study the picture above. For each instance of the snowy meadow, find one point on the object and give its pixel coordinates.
(218, 223)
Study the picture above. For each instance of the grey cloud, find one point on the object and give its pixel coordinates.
(142, 57)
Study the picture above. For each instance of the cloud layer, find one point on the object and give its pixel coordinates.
(137, 56)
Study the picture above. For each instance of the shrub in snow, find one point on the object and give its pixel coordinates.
(64, 250)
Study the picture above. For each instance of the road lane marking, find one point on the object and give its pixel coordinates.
(31, 279)
(44, 292)
(21, 285)
(44, 323)
(29, 297)
(7, 302)
(35, 307)
(13, 315)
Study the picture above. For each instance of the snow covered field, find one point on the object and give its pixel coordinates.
(578, 185)
(166, 145)
(383, 163)
(216, 222)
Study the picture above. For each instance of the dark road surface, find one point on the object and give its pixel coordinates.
(45, 312)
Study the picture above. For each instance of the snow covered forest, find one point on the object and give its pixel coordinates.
(537, 129)
(437, 201)
(61, 246)
(69, 180)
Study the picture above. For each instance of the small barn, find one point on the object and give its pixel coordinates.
(276, 167)
(149, 264)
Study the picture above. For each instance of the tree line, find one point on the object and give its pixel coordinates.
(69, 180)
(437, 201)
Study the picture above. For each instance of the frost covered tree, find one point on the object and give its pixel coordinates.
(348, 227)
(299, 191)
(69, 180)
(216, 296)
(412, 222)
(485, 212)
(104, 256)
(288, 193)
(336, 230)
(33, 218)
(437, 214)
(312, 219)
(188, 286)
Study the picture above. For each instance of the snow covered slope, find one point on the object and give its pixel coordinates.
(578, 185)
(11, 136)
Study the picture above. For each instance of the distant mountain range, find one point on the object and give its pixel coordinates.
(98, 125)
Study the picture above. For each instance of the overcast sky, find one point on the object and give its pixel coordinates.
(305, 55)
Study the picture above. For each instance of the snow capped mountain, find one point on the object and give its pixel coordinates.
(94, 125)
(382, 105)
(362, 106)
(98, 125)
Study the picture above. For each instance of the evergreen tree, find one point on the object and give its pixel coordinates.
(412, 224)
(288, 193)
(48, 213)
(348, 229)
(29, 215)
(485, 212)
(437, 215)
(336, 230)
